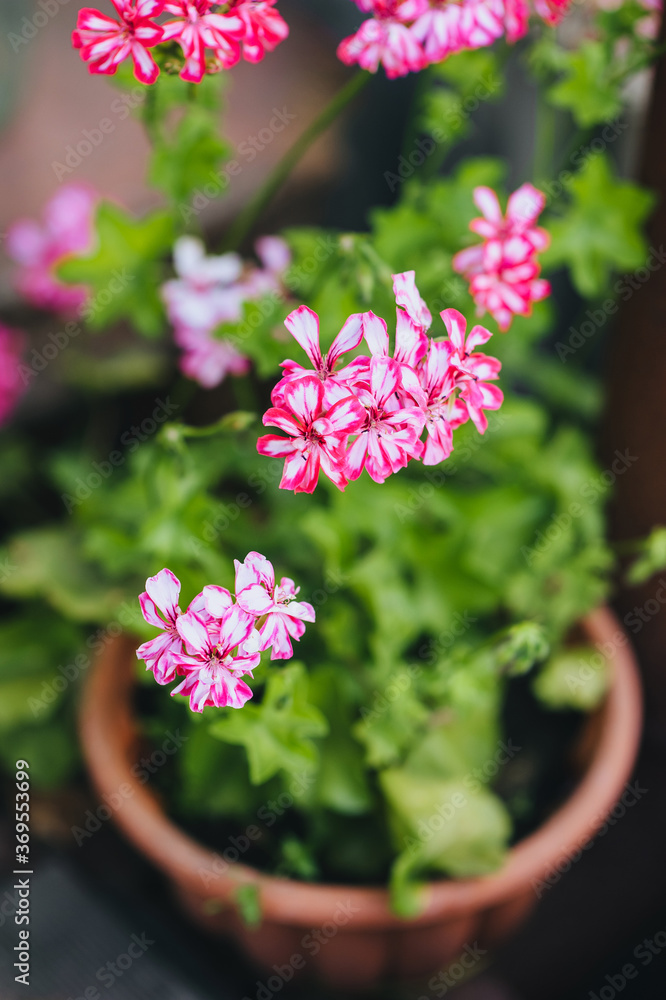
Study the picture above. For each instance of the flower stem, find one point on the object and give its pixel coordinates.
(247, 219)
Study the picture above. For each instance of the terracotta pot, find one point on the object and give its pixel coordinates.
(347, 935)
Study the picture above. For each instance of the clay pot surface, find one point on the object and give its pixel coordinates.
(347, 935)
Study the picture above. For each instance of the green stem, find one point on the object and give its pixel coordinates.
(247, 219)
(230, 423)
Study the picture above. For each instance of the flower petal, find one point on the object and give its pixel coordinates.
(164, 590)
(303, 325)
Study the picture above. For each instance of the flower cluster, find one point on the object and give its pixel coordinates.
(407, 35)
(11, 382)
(503, 271)
(210, 291)
(68, 228)
(212, 36)
(218, 641)
(371, 413)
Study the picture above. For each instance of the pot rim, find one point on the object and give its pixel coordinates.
(108, 736)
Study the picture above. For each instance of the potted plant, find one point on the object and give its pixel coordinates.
(381, 619)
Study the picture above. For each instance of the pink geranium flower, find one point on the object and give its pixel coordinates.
(318, 434)
(386, 39)
(218, 641)
(207, 291)
(38, 249)
(444, 411)
(303, 325)
(264, 27)
(407, 35)
(159, 607)
(198, 28)
(552, 11)
(105, 43)
(503, 271)
(431, 385)
(472, 372)
(12, 385)
(389, 435)
(207, 359)
(413, 319)
(210, 291)
(213, 673)
(281, 617)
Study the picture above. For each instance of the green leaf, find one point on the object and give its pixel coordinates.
(575, 678)
(278, 733)
(248, 904)
(214, 777)
(652, 557)
(297, 860)
(601, 230)
(185, 160)
(342, 781)
(124, 272)
(591, 88)
(521, 647)
(456, 827)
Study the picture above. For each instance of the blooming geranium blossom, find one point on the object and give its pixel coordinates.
(318, 434)
(210, 291)
(207, 359)
(213, 674)
(264, 27)
(444, 410)
(385, 39)
(472, 372)
(381, 404)
(503, 271)
(197, 28)
(407, 35)
(303, 325)
(12, 385)
(413, 320)
(39, 248)
(283, 617)
(389, 436)
(159, 607)
(105, 43)
(219, 640)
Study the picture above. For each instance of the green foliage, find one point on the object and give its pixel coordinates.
(186, 159)
(589, 87)
(651, 557)
(46, 564)
(449, 827)
(468, 80)
(589, 81)
(576, 678)
(277, 734)
(124, 270)
(248, 904)
(521, 648)
(600, 231)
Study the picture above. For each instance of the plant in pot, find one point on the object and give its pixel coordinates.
(380, 620)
